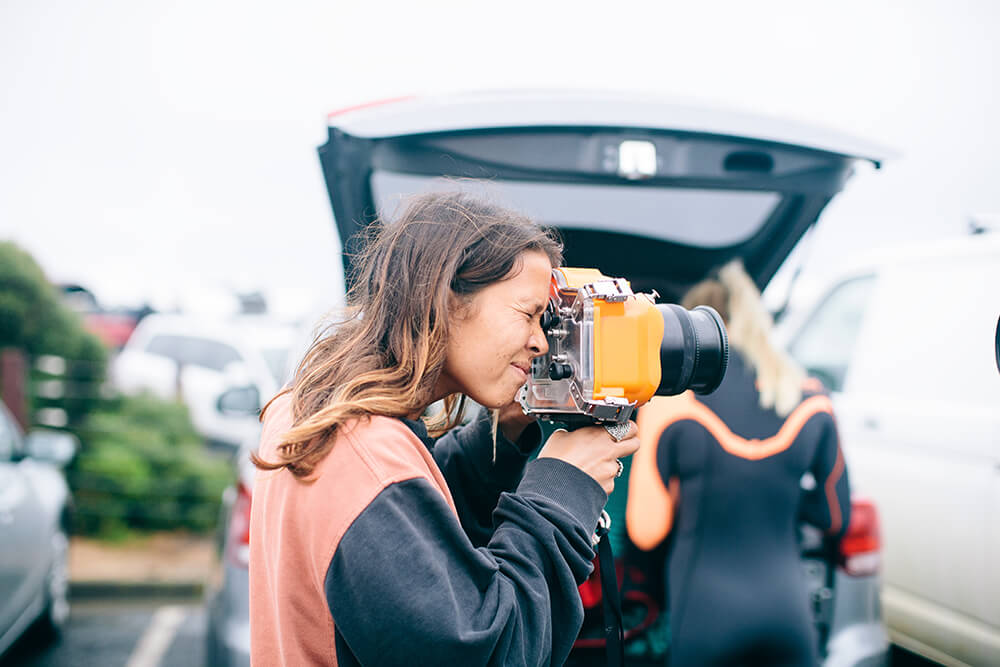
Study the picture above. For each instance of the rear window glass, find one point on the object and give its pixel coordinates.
(194, 351)
(276, 359)
(695, 217)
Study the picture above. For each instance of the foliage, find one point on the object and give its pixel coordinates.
(33, 319)
(144, 468)
(141, 467)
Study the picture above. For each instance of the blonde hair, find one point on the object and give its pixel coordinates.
(748, 324)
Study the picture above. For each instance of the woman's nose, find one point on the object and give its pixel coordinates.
(538, 343)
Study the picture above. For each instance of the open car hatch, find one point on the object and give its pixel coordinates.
(638, 187)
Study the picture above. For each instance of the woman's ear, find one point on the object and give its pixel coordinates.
(460, 306)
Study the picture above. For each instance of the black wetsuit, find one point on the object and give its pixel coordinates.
(734, 583)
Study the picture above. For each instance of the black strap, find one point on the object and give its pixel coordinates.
(611, 599)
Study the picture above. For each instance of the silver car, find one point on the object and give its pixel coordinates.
(34, 547)
(654, 191)
(228, 604)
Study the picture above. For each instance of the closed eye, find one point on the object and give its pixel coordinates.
(536, 309)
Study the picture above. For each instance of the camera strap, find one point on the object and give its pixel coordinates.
(610, 598)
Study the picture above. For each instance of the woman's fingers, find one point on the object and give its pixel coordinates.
(631, 440)
(594, 451)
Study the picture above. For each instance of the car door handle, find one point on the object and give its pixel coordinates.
(870, 423)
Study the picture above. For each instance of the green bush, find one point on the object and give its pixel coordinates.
(143, 468)
(33, 319)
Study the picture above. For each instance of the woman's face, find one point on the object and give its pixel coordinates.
(494, 338)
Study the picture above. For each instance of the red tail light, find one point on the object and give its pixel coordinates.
(861, 548)
(368, 105)
(238, 536)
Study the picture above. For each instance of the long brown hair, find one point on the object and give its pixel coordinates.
(386, 354)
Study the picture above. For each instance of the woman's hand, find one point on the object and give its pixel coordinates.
(592, 450)
(513, 421)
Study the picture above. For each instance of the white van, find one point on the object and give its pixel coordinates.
(906, 342)
(223, 369)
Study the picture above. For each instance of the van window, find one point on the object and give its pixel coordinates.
(825, 343)
(191, 350)
(171, 347)
(276, 359)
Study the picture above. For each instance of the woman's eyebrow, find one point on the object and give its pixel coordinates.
(536, 307)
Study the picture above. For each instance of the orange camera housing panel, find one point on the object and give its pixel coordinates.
(627, 336)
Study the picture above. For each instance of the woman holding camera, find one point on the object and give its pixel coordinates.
(371, 542)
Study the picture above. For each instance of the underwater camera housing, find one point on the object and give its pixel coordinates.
(611, 350)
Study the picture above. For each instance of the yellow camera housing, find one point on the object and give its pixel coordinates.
(627, 335)
(604, 350)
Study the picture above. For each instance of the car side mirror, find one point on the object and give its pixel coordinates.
(997, 351)
(55, 447)
(239, 401)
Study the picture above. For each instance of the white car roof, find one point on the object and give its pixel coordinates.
(976, 245)
(525, 109)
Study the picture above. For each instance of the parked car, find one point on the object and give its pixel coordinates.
(906, 340)
(228, 597)
(113, 327)
(34, 516)
(223, 369)
(640, 188)
(844, 586)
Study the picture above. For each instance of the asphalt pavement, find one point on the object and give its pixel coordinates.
(156, 633)
(130, 633)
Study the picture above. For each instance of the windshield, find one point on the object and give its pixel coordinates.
(276, 359)
(696, 217)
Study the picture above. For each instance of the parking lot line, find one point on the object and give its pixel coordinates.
(156, 639)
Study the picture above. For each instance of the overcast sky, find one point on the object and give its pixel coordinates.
(155, 148)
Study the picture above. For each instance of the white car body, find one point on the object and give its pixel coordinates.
(218, 356)
(34, 498)
(908, 341)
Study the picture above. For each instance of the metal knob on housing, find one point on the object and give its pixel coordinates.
(558, 371)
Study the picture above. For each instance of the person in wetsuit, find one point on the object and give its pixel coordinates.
(720, 475)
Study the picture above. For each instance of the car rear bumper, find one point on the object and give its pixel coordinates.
(228, 642)
(860, 645)
(228, 633)
(859, 636)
